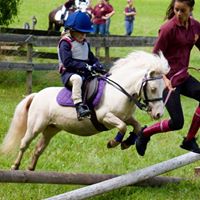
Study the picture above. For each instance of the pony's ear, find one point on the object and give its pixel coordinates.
(161, 55)
(154, 73)
(166, 67)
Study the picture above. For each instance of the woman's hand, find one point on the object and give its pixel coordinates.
(168, 83)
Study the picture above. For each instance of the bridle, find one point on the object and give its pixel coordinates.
(143, 89)
(142, 104)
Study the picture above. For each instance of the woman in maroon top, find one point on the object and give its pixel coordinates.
(108, 16)
(176, 39)
(99, 16)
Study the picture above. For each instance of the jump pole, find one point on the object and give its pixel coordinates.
(20, 176)
(128, 179)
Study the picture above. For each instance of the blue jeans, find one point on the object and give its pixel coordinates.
(107, 26)
(129, 27)
(99, 29)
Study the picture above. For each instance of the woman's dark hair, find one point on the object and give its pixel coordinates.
(170, 9)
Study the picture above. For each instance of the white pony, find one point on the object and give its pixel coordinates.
(139, 75)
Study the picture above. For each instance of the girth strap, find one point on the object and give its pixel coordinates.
(100, 127)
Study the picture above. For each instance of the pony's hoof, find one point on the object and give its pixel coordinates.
(112, 144)
(30, 169)
(124, 146)
(14, 167)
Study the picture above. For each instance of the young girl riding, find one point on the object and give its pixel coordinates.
(76, 61)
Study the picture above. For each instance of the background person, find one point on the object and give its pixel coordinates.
(129, 12)
(99, 17)
(176, 39)
(89, 9)
(108, 16)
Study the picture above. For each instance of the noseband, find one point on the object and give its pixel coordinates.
(134, 97)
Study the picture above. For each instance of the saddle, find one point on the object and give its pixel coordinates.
(90, 89)
(92, 93)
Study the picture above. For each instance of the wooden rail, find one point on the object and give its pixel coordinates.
(95, 41)
(29, 41)
(28, 31)
(19, 176)
(28, 66)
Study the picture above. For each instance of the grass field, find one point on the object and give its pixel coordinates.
(69, 153)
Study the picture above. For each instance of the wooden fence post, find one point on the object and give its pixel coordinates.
(29, 72)
(97, 52)
(107, 55)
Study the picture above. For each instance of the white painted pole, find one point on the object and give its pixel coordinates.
(128, 179)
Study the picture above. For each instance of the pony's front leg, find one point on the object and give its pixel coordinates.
(133, 134)
(112, 121)
(134, 123)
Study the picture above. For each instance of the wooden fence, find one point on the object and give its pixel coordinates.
(14, 42)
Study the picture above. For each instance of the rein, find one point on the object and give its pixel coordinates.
(120, 88)
(194, 68)
(171, 90)
(142, 106)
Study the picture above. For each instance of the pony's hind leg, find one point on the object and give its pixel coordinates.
(34, 126)
(16, 164)
(26, 140)
(47, 134)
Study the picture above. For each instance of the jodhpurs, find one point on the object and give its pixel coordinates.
(76, 82)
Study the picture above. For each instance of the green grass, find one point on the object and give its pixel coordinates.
(70, 153)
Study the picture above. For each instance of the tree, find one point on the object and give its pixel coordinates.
(8, 9)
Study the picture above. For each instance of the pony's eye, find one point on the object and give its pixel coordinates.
(153, 90)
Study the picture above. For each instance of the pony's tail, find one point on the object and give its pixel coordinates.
(18, 125)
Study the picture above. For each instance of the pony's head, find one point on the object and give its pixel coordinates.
(152, 86)
(151, 93)
(144, 72)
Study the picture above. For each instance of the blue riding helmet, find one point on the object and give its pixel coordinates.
(79, 21)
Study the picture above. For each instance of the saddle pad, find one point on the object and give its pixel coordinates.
(64, 96)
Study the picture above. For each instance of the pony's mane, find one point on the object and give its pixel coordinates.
(138, 59)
